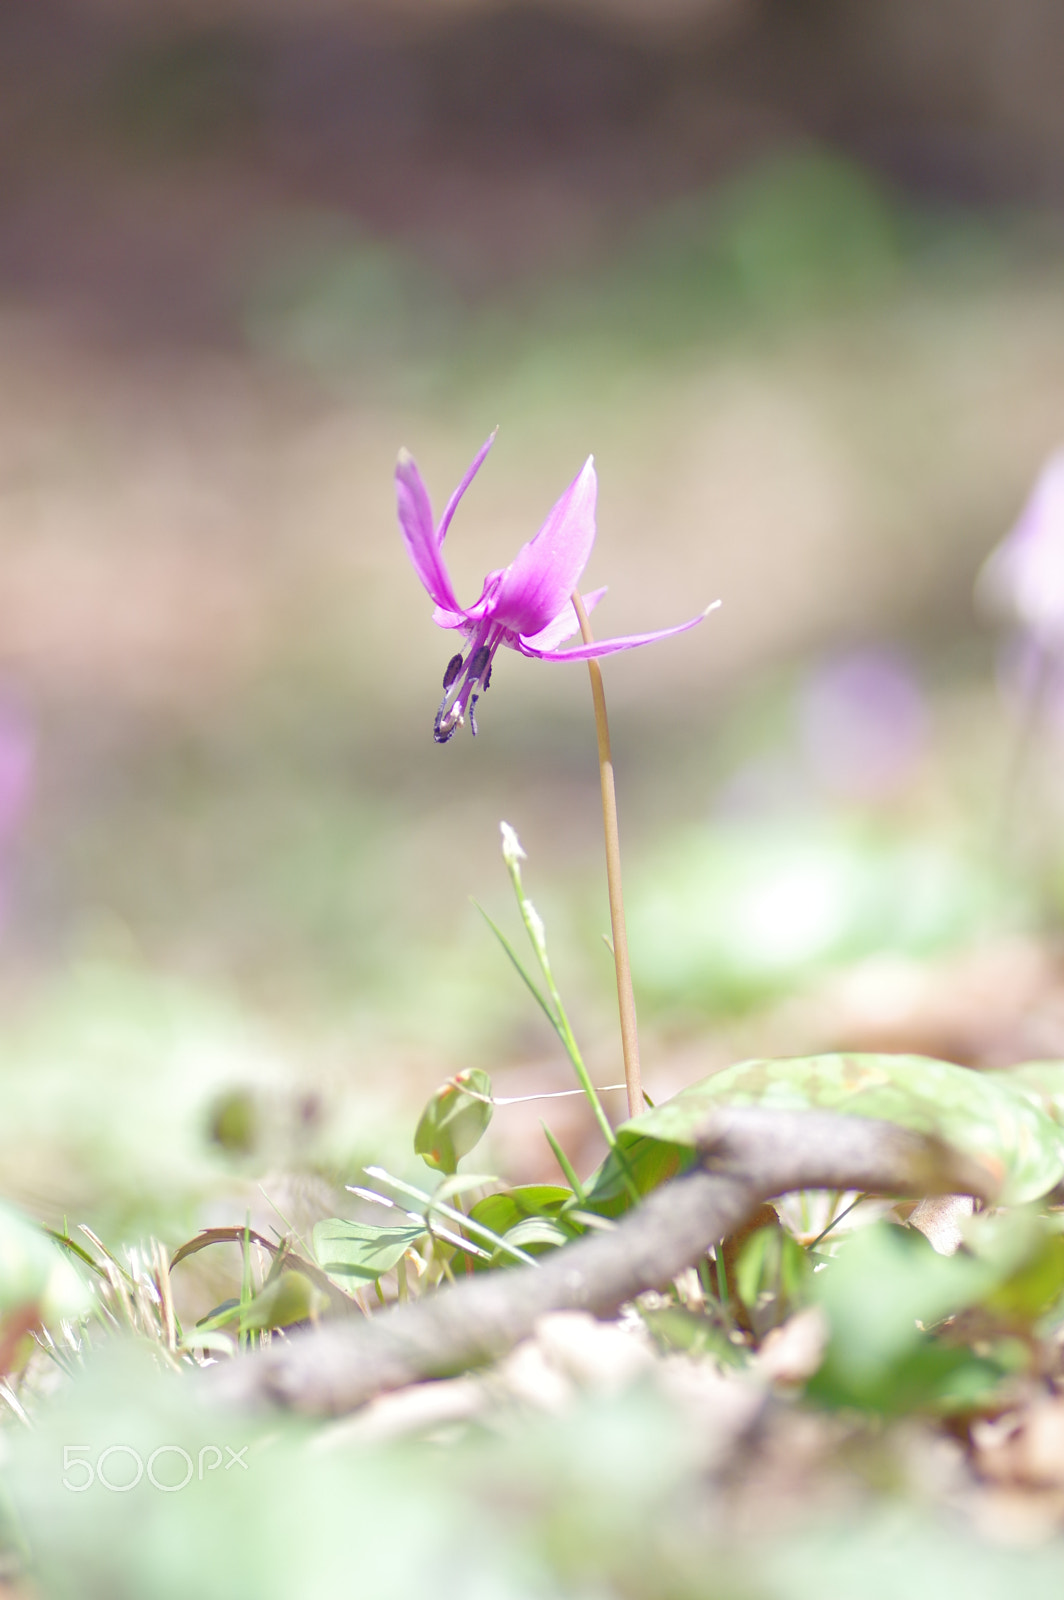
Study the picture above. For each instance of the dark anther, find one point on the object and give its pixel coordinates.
(487, 678)
(472, 715)
(454, 667)
(481, 660)
(441, 729)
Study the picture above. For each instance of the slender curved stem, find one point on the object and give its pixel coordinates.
(625, 998)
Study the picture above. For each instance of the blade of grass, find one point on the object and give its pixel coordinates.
(515, 958)
(835, 1222)
(496, 1241)
(512, 854)
(563, 1161)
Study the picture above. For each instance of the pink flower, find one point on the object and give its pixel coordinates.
(525, 606)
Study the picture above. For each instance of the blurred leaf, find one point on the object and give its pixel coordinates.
(501, 1212)
(1026, 1253)
(454, 1120)
(787, 237)
(899, 1550)
(35, 1273)
(772, 1268)
(225, 1311)
(186, 94)
(806, 229)
(212, 1340)
(462, 1183)
(329, 297)
(125, 1053)
(232, 1121)
(290, 1298)
(731, 915)
(1041, 1081)
(883, 1281)
(677, 1328)
(353, 1253)
(984, 1115)
(537, 1231)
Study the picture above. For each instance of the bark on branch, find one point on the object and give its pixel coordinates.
(747, 1156)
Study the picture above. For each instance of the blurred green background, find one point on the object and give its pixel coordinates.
(793, 272)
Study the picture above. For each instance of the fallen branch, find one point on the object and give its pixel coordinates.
(747, 1156)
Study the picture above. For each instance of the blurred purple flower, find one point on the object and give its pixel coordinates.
(17, 772)
(1024, 576)
(1030, 680)
(525, 606)
(863, 722)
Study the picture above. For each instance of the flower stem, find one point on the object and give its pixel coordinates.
(625, 998)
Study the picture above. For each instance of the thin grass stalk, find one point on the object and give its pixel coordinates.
(625, 997)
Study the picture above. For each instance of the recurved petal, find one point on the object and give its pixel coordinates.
(452, 504)
(564, 625)
(419, 535)
(538, 582)
(607, 647)
(443, 618)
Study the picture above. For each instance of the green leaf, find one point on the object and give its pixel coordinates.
(731, 915)
(503, 1211)
(772, 1276)
(531, 1217)
(462, 1184)
(987, 1116)
(1026, 1252)
(35, 1273)
(353, 1253)
(217, 1342)
(677, 1328)
(1041, 1081)
(885, 1286)
(454, 1120)
(644, 1162)
(290, 1298)
(538, 1231)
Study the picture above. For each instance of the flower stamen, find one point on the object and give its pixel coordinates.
(460, 697)
(452, 669)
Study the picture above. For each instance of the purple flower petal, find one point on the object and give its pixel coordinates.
(538, 582)
(565, 623)
(484, 604)
(452, 504)
(419, 535)
(606, 647)
(526, 606)
(863, 723)
(449, 619)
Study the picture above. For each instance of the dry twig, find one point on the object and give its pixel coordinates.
(746, 1157)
